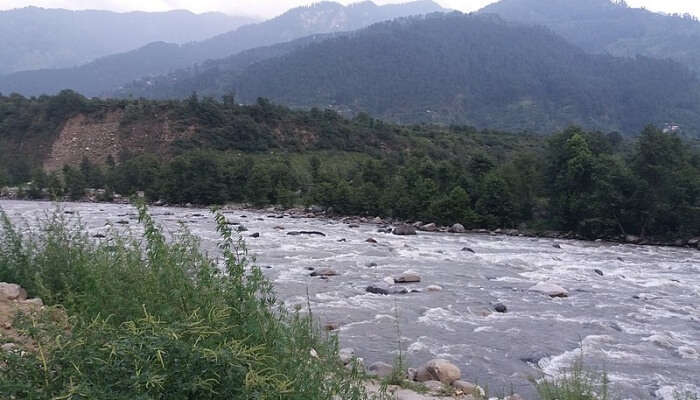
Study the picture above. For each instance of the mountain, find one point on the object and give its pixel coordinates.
(602, 26)
(105, 75)
(36, 38)
(469, 69)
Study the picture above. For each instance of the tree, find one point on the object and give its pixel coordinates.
(495, 206)
(74, 182)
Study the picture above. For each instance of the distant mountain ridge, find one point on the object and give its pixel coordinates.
(605, 26)
(463, 69)
(107, 74)
(36, 38)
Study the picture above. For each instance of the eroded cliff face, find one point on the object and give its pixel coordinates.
(98, 137)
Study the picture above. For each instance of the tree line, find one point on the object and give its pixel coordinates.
(588, 183)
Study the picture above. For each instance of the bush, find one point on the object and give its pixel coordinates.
(158, 319)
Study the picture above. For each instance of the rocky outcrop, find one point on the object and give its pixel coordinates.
(11, 291)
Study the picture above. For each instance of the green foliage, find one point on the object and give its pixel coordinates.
(155, 318)
(576, 383)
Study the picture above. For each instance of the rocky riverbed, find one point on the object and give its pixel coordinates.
(501, 308)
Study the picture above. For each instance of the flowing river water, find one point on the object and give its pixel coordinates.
(639, 321)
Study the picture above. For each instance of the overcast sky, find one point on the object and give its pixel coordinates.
(271, 8)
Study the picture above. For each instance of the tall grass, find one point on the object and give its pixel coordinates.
(575, 383)
(152, 318)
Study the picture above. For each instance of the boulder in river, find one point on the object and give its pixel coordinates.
(431, 227)
(324, 272)
(255, 235)
(407, 277)
(386, 289)
(457, 228)
(468, 249)
(598, 271)
(433, 288)
(309, 233)
(438, 370)
(500, 307)
(404, 230)
(371, 240)
(550, 289)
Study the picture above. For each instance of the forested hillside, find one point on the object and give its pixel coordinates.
(463, 69)
(37, 38)
(605, 26)
(110, 73)
(206, 152)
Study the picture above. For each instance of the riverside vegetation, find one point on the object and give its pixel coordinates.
(593, 184)
(148, 319)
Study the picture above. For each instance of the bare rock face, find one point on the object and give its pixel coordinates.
(11, 291)
(550, 289)
(438, 370)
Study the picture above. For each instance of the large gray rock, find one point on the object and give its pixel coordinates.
(324, 272)
(404, 230)
(438, 370)
(407, 277)
(550, 289)
(429, 227)
(12, 291)
(386, 290)
(380, 369)
(457, 228)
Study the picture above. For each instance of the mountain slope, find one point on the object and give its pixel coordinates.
(36, 38)
(98, 77)
(477, 70)
(603, 26)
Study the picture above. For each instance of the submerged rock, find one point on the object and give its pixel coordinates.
(371, 240)
(468, 249)
(386, 290)
(433, 288)
(310, 233)
(598, 271)
(550, 289)
(324, 272)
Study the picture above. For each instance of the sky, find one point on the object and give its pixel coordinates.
(271, 8)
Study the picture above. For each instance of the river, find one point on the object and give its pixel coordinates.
(639, 320)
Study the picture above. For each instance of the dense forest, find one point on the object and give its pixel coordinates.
(590, 183)
(458, 69)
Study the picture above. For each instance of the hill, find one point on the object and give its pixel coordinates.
(462, 69)
(38, 38)
(108, 74)
(602, 26)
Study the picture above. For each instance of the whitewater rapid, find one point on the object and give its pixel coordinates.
(639, 321)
